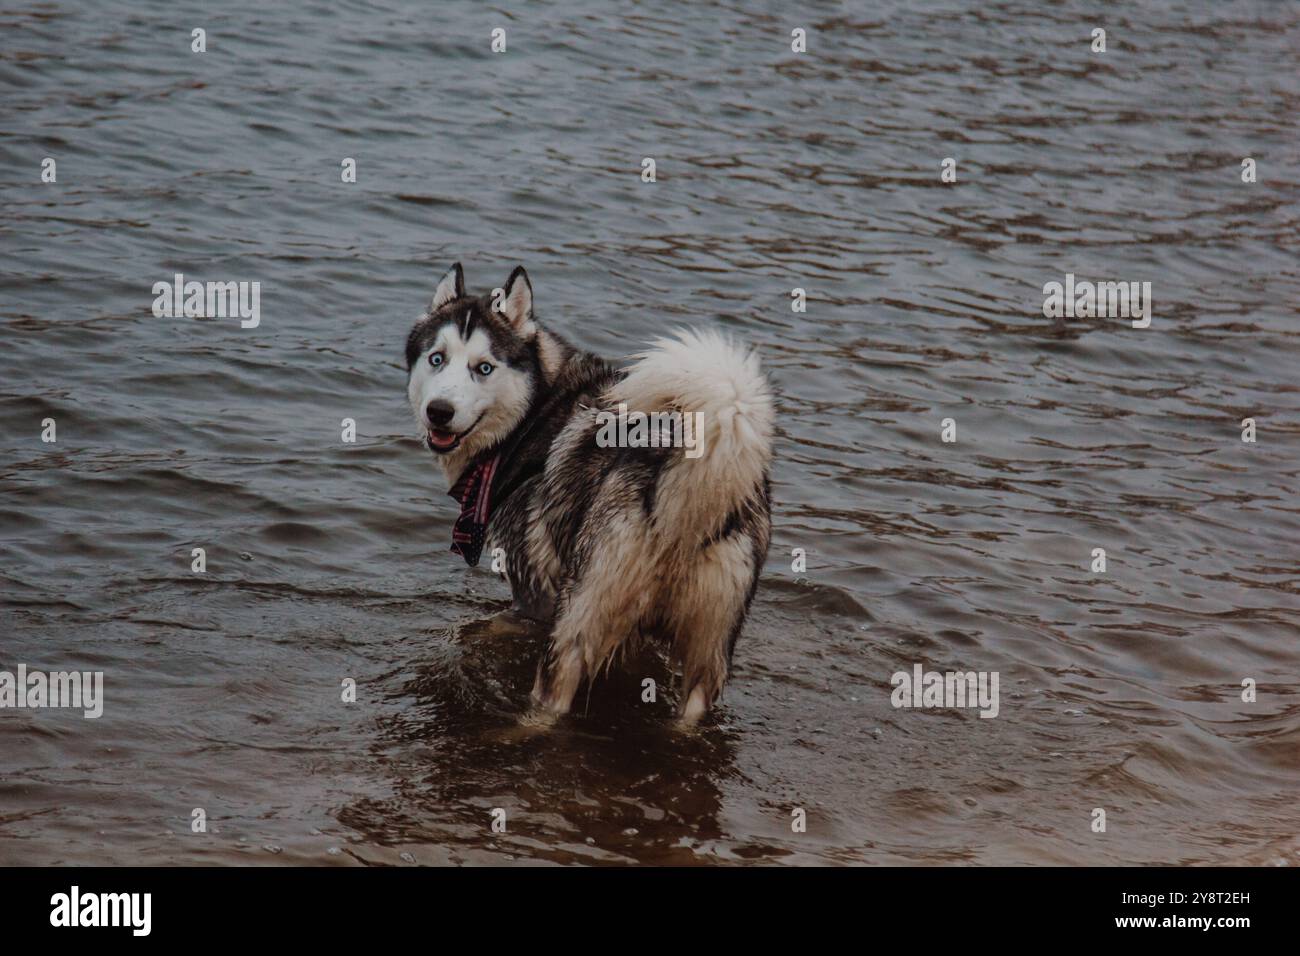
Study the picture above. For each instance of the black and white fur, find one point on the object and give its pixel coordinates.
(609, 544)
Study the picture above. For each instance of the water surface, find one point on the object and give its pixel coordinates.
(775, 170)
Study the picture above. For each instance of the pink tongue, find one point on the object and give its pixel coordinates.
(442, 439)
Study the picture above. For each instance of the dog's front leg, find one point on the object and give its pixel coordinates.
(559, 674)
(597, 608)
(594, 615)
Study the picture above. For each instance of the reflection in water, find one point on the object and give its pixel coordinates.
(460, 746)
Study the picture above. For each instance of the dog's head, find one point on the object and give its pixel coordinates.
(472, 365)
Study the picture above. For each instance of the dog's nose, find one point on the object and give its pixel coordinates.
(439, 413)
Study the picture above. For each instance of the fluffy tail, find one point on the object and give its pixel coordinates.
(704, 372)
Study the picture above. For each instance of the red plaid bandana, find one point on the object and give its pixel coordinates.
(474, 492)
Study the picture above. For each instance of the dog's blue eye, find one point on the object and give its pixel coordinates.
(435, 359)
(485, 368)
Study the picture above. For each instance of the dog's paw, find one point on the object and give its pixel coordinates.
(693, 708)
(537, 720)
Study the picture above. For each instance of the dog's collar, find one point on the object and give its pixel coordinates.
(474, 492)
(483, 485)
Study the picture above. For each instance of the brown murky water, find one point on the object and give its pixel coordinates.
(1119, 690)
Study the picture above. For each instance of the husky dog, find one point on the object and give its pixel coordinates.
(608, 543)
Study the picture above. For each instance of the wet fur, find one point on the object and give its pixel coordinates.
(608, 544)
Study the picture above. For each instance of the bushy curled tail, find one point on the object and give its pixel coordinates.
(705, 372)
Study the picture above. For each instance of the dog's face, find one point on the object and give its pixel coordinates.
(472, 366)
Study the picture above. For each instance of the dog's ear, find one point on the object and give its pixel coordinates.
(451, 286)
(516, 302)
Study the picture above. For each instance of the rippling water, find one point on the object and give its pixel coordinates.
(775, 170)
